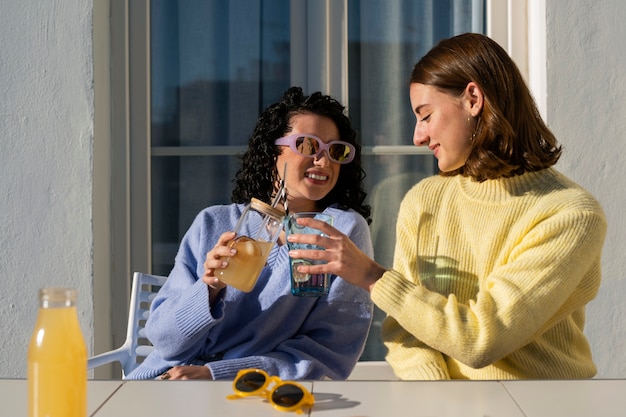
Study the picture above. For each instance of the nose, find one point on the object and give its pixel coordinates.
(420, 138)
(322, 158)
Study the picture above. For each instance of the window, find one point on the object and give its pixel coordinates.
(190, 80)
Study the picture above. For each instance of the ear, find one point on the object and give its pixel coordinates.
(475, 98)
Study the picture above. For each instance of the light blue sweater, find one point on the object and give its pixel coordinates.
(268, 328)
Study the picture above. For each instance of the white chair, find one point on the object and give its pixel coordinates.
(136, 346)
(372, 371)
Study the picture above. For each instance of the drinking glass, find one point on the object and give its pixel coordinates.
(306, 285)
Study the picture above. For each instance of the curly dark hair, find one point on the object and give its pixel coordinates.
(258, 175)
(511, 138)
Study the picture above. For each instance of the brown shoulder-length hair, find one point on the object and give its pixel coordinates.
(511, 137)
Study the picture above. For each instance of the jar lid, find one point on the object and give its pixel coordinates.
(264, 208)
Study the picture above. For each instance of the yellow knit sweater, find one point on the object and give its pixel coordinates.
(490, 280)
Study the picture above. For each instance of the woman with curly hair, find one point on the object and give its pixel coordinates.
(203, 329)
(498, 256)
(259, 175)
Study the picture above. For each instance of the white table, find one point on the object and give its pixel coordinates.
(588, 398)
(413, 399)
(185, 398)
(14, 396)
(333, 398)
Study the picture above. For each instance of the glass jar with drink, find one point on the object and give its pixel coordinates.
(256, 232)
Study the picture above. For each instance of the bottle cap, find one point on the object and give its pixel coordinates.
(265, 208)
(54, 297)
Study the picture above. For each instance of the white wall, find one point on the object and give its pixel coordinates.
(586, 83)
(46, 141)
(46, 153)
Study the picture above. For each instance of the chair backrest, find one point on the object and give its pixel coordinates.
(136, 346)
(145, 287)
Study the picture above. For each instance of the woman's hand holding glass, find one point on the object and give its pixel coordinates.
(342, 256)
(214, 261)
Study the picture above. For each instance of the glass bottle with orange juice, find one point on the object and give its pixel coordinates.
(256, 232)
(57, 358)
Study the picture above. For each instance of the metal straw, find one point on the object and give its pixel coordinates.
(281, 194)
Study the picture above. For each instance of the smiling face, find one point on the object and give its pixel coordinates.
(444, 123)
(309, 179)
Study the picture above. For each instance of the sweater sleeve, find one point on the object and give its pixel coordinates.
(550, 270)
(181, 316)
(410, 358)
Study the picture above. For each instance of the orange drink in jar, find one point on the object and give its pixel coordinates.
(257, 230)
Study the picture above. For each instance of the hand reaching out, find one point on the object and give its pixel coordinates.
(342, 256)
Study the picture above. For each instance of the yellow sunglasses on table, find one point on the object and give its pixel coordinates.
(283, 395)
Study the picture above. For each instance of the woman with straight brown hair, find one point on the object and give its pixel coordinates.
(496, 257)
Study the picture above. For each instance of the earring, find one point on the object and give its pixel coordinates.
(476, 129)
